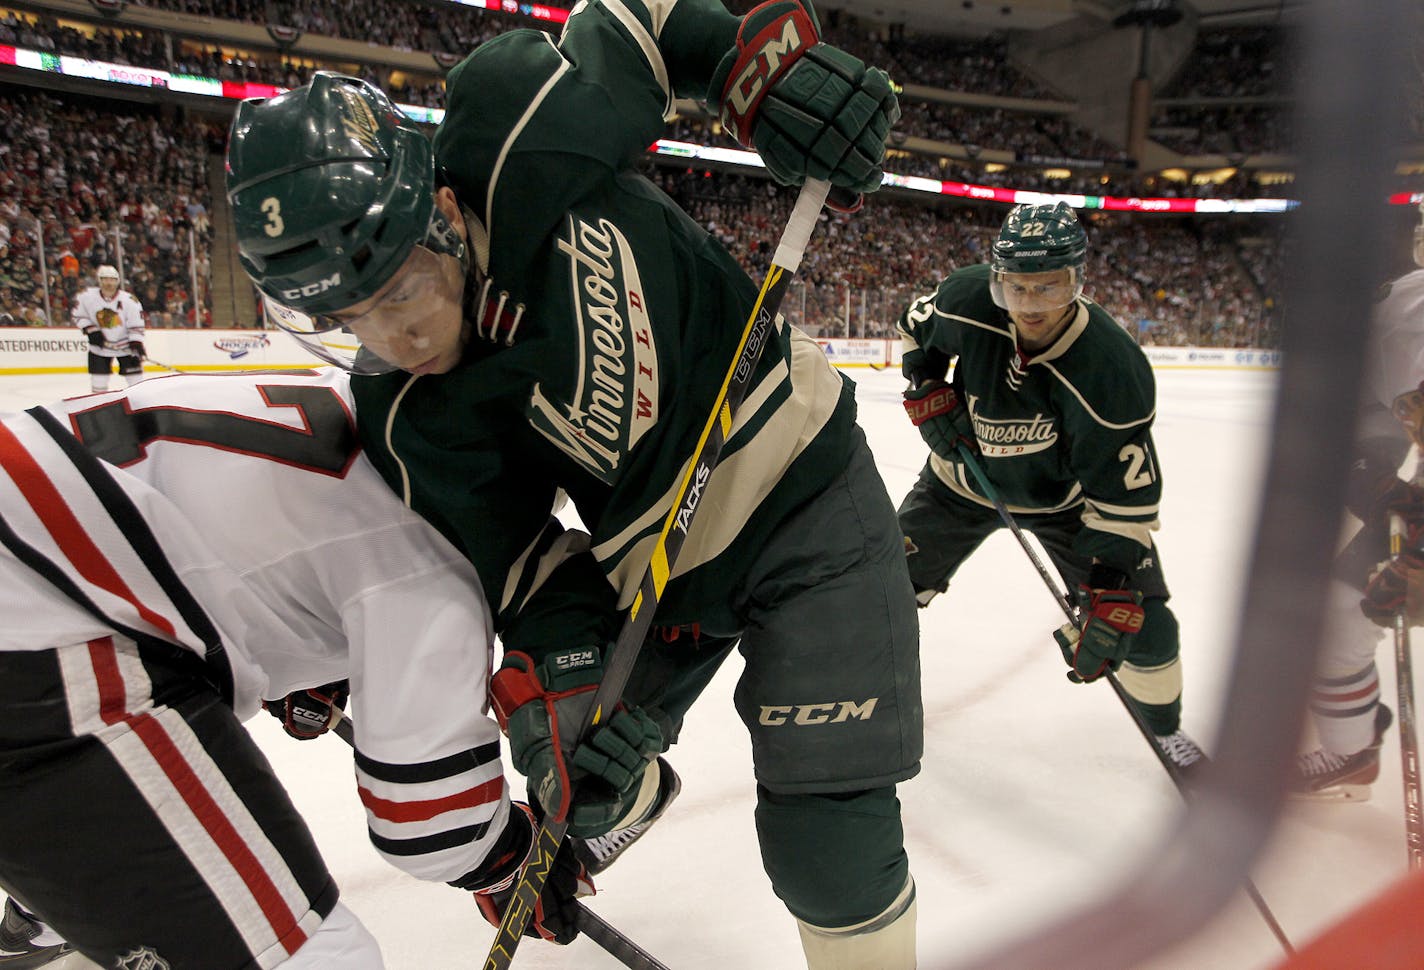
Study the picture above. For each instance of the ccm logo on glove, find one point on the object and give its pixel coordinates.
(768, 55)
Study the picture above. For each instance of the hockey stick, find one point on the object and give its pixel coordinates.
(1128, 703)
(1408, 740)
(755, 336)
(162, 365)
(589, 923)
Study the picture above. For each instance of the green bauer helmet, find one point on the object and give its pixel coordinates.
(331, 188)
(1039, 238)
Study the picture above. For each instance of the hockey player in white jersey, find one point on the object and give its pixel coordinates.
(1346, 713)
(111, 319)
(170, 555)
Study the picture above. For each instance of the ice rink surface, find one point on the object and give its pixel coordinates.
(1034, 793)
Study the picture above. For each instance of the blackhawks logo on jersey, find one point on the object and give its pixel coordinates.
(615, 392)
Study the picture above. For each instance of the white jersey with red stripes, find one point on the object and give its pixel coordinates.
(119, 319)
(307, 567)
(1395, 362)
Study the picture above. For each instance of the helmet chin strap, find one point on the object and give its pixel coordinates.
(479, 243)
(441, 237)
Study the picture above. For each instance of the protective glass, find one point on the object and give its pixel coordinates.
(1036, 292)
(1419, 238)
(364, 340)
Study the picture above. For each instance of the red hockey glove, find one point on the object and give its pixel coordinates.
(541, 708)
(942, 418)
(1112, 618)
(556, 914)
(811, 110)
(310, 713)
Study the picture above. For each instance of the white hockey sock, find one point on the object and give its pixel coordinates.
(884, 942)
(1343, 708)
(1153, 685)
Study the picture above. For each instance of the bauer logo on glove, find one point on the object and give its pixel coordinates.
(1112, 618)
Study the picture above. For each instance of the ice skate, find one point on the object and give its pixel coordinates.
(1322, 775)
(600, 852)
(18, 935)
(1184, 753)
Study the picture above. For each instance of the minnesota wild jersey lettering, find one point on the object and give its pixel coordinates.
(615, 399)
(1014, 436)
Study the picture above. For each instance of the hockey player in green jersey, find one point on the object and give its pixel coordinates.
(528, 316)
(1056, 403)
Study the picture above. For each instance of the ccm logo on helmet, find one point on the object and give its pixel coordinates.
(833, 712)
(312, 289)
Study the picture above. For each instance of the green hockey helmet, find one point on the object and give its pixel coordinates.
(331, 187)
(1039, 238)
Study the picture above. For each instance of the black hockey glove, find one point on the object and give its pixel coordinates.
(809, 109)
(1396, 587)
(310, 713)
(136, 349)
(942, 418)
(541, 707)
(1112, 618)
(556, 914)
(96, 338)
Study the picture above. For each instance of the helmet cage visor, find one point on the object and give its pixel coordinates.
(1041, 292)
(423, 287)
(340, 348)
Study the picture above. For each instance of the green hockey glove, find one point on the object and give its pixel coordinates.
(541, 707)
(809, 109)
(1112, 618)
(942, 418)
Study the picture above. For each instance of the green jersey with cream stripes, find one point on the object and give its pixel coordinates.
(1067, 427)
(604, 322)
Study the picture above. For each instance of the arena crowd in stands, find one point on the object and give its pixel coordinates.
(104, 183)
(1171, 280)
(977, 66)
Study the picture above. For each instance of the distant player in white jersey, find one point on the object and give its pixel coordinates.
(1345, 707)
(112, 321)
(170, 555)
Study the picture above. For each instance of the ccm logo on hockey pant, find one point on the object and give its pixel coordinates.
(834, 712)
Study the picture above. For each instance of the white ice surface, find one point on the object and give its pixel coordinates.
(1033, 793)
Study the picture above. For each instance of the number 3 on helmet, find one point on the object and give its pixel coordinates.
(331, 189)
